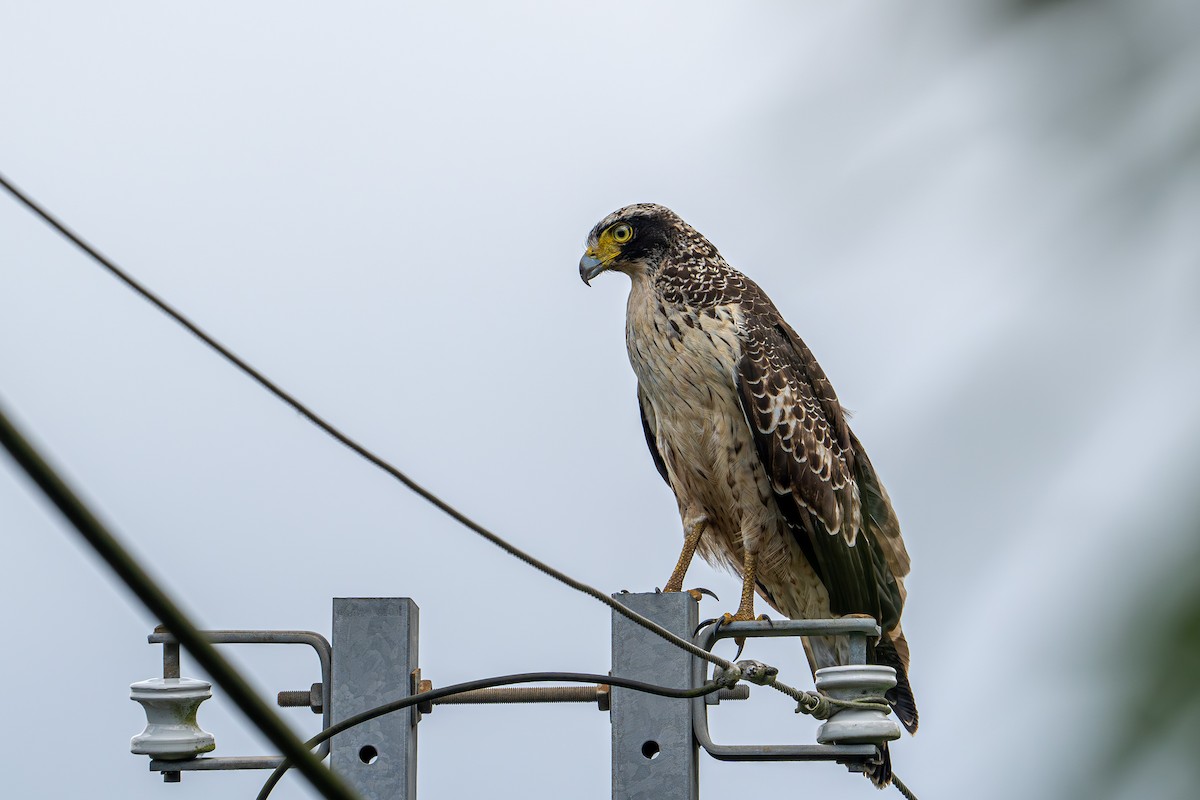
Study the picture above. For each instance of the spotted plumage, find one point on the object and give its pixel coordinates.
(749, 434)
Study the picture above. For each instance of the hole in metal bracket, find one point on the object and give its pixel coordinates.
(651, 749)
(368, 754)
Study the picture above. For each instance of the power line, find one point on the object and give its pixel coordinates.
(484, 683)
(345, 440)
(902, 788)
(168, 611)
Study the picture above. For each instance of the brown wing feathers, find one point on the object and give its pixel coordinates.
(807, 467)
(649, 428)
(827, 489)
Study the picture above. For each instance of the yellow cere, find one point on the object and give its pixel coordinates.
(609, 245)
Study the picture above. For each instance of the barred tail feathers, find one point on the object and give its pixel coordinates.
(880, 772)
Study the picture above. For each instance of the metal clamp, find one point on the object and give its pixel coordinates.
(316, 641)
(857, 628)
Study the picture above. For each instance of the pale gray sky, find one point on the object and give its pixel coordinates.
(982, 222)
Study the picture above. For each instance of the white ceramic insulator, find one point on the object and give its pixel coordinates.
(171, 730)
(854, 725)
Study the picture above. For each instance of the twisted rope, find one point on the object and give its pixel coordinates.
(902, 789)
(815, 704)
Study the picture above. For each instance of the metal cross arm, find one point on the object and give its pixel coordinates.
(171, 768)
(372, 698)
(656, 740)
(858, 629)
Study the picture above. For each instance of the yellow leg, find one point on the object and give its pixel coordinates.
(745, 610)
(675, 582)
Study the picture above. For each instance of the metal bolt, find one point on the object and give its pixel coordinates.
(604, 697)
(170, 655)
(739, 692)
(303, 698)
(424, 686)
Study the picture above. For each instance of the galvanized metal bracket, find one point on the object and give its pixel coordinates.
(171, 769)
(655, 740)
(373, 661)
(852, 755)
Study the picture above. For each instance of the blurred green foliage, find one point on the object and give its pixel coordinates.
(1156, 716)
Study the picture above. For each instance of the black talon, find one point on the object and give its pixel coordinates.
(708, 592)
(706, 623)
(741, 643)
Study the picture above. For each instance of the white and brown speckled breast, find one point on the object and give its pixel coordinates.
(685, 361)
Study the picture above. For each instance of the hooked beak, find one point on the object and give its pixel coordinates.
(590, 267)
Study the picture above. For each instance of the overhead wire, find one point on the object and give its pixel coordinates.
(345, 439)
(484, 683)
(906, 792)
(156, 599)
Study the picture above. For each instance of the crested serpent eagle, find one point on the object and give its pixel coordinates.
(746, 429)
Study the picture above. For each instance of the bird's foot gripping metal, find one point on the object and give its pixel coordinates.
(698, 594)
(728, 619)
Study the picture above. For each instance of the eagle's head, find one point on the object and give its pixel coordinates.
(632, 240)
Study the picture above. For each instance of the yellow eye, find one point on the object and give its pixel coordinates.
(622, 233)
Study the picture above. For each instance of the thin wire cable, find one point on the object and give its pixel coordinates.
(348, 442)
(902, 789)
(483, 683)
(822, 706)
(168, 611)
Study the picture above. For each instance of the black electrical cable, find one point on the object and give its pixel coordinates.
(345, 440)
(168, 612)
(483, 683)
